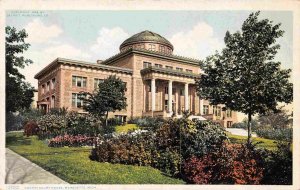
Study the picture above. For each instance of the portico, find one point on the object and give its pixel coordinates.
(169, 93)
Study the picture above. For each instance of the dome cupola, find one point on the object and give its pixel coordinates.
(148, 40)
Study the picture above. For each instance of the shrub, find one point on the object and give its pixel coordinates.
(31, 128)
(84, 124)
(72, 123)
(70, 140)
(51, 125)
(231, 164)
(169, 162)
(281, 134)
(114, 122)
(163, 148)
(201, 137)
(131, 149)
(14, 122)
(148, 123)
(58, 111)
(279, 165)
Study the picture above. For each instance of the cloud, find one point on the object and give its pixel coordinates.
(198, 42)
(108, 42)
(38, 32)
(45, 56)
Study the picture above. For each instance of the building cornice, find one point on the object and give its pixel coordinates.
(170, 72)
(64, 61)
(181, 59)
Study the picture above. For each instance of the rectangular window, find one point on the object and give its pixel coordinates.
(97, 82)
(162, 49)
(43, 89)
(53, 83)
(77, 102)
(48, 86)
(169, 67)
(205, 109)
(179, 69)
(79, 81)
(158, 65)
(166, 90)
(151, 47)
(181, 92)
(228, 113)
(188, 70)
(217, 111)
(52, 101)
(146, 64)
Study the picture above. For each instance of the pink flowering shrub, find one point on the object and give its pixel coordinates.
(71, 140)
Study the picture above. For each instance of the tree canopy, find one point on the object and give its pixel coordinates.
(244, 76)
(109, 97)
(18, 92)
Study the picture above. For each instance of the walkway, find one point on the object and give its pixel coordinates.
(19, 170)
(241, 132)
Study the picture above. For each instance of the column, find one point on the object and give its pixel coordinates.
(170, 96)
(153, 89)
(201, 106)
(186, 96)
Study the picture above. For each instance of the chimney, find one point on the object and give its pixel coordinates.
(99, 61)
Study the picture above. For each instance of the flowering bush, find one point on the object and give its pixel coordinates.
(85, 124)
(31, 128)
(131, 149)
(72, 123)
(231, 164)
(164, 148)
(51, 125)
(71, 140)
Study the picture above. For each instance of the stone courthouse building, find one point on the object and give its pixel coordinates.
(158, 83)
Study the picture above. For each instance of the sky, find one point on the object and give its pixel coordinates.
(94, 35)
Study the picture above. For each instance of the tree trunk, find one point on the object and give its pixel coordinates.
(249, 128)
(106, 119)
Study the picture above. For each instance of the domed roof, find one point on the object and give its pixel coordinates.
(146, 36)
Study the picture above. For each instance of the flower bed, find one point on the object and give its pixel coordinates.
(71, 140)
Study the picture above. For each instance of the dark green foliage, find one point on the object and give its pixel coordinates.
(243, 125)
(18, 92)
(276, 120)
(147, 123)
(244, 76)
(58, 111)
(84, 124)
(109, 97)
(113, 122)
(14, 122)
(279, 166)
(72, 123)
(285, 134)
(30, 115)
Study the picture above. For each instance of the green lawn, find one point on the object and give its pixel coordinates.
(74, 166)
(126, 128)
(263, 143)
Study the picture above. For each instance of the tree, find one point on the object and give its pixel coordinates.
(109, 97)
(276, 120)
(18, 92)
(244, 76)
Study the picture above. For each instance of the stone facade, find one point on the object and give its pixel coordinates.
(158, 83)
